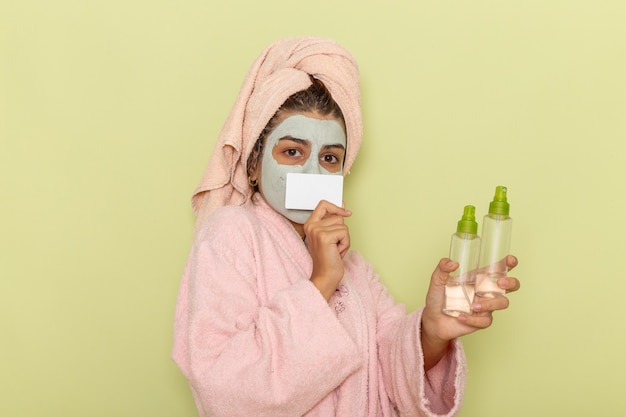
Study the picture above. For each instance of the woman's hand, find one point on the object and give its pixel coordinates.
(438, 329)
(328, 239)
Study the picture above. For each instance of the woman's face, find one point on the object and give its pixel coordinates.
(301, 143)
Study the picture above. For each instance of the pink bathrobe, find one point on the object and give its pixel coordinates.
(254, 336)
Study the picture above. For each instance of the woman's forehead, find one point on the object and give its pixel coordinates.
(299, 126)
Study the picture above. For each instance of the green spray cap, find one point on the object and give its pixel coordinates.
(468, 224)
(499, 205)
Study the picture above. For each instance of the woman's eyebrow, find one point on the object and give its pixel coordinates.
(307, 142)
(300, 141)
(335, 145)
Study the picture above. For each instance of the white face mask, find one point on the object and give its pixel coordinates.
(321, 134)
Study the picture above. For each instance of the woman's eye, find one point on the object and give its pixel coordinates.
(330, 159)
(292, 152)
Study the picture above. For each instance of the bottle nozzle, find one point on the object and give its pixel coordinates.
(499, 205)
(468, 224)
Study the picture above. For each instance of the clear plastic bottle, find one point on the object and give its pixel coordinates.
(496, 241)
(464, 249)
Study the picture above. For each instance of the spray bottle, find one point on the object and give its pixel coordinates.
(464, 249)
(496, 240)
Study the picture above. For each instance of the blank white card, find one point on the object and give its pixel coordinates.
(304, 191)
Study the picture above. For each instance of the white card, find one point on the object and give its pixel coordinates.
(304, 191)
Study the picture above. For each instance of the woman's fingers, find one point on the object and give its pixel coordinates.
(487, 305)
(436, 289)
(327, 225)
(443, 269)
(511, 262)
(509, 284)
(325, 208)
(477, 320)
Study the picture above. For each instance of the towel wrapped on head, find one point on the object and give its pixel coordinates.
(282, 69)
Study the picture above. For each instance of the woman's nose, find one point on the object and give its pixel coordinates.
(313, 166)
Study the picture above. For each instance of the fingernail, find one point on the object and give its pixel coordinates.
(476, 307)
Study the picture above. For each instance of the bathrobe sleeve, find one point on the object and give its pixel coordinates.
(244, 356)
(412, 391)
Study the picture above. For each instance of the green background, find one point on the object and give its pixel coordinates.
(108, 114)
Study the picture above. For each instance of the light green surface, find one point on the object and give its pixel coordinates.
(109, 111)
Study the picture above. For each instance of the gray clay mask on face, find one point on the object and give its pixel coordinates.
(321, 133)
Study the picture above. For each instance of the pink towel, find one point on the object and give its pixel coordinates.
(281, 70)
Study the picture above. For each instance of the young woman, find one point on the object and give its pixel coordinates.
(275, 316)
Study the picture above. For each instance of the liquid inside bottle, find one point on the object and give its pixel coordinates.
(459, 295)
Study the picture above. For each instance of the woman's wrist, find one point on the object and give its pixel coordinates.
(324, 286)
(434, 347)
